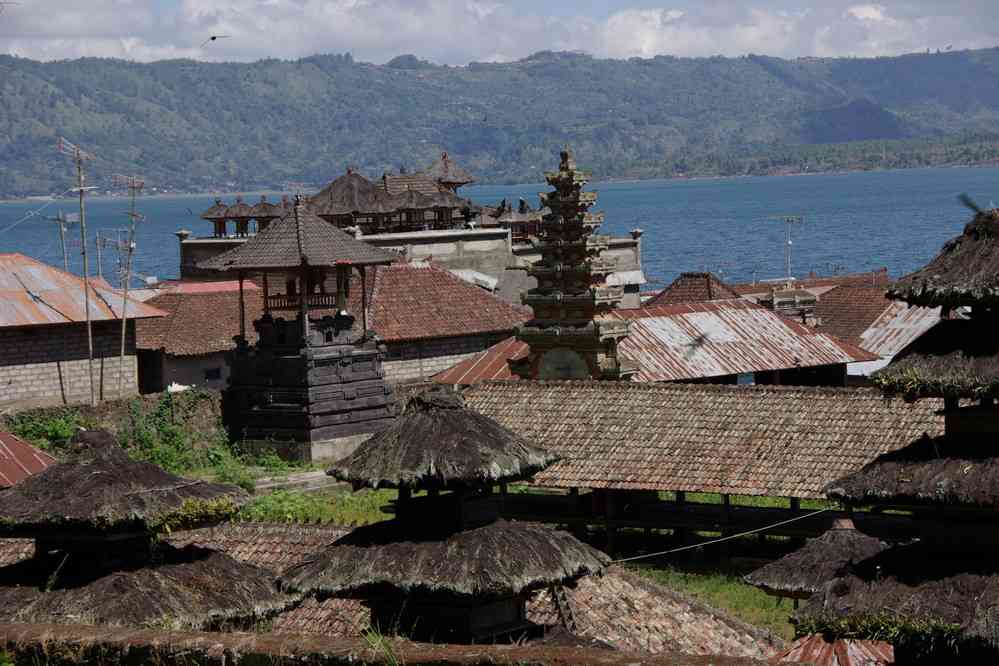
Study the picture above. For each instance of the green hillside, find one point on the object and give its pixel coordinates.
(192, 125)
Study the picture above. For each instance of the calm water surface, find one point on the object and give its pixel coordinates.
(853, 222)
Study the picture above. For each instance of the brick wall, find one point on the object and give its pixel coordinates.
(418, 360)
(46, 365)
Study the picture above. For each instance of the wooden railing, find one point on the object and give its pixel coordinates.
(286, 302)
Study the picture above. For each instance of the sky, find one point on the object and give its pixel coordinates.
(456, 32)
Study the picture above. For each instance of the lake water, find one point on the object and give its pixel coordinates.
(853, 221)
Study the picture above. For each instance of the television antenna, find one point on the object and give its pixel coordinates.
(64, 221)
(789, 221)
(134, 185)
(79, 157)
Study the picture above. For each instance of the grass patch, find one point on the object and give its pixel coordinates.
(338, 507)
(750, 500)
(727, 591)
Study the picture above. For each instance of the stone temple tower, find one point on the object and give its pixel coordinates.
(572, 335)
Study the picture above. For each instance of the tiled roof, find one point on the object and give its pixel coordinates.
(493, 363)
(15, 550)
(417, 182)
(18, 459)
(820, 284)
(300, 236)
(718, 338)
(33, 293)
(863, 316)
(418, 301)
(818, 651)
(199, 322)
(742, 440)
(693, 288)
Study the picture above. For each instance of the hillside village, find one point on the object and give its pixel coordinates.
(506, 440)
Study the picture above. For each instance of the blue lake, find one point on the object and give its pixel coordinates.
(853, 221)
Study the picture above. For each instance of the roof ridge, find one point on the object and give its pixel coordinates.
(682, 386)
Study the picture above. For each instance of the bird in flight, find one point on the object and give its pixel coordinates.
(213, 38)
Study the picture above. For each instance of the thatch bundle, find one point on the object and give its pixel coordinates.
(804, 571)
(956, 358)
(100, 489)
(189, 588)
(965, 272)
(941, 471)
(437, 442)
(499, 559)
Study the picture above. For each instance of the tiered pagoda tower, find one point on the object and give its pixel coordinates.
(571, 335)
(939, 596)
(446, 568)
(96, 519)
(309, 384)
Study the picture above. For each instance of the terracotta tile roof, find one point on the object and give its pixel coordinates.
(13, 551)
(198, 322)
(743, 440)
(33, 293)
(493, 363)
(417, 182)
(816, 650)
(18, 459)
(693, 288)
(418, 301)
(820, 284)
(718, 338)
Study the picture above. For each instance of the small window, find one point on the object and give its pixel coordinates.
(213, 374)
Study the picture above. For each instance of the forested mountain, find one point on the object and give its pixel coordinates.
(195, 125)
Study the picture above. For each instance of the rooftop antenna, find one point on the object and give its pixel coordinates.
(134, 185)
(63, 221)
(79, 157)
(789, 221)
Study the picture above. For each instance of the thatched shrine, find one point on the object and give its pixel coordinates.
(311, 381)
(96, 519)
(937, 597)
(803, 572)
(572, 335)
(446, 567)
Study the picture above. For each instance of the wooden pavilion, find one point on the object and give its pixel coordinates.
(446, 568)
(318, 377)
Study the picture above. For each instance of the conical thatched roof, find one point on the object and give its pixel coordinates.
(189, 588)
(498, 559)
(965, 272)
(437, 442)
(240, 210)
(350, 193)
(300, 237)
(956, 358)
(446, 172)
(218, 211)
(804, 571)
(100, 489)
(264, 209)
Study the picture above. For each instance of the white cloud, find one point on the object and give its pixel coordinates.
(867, 12)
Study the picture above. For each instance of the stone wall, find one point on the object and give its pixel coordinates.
(47, 365)
(418, 360)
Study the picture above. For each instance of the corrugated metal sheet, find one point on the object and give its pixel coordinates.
(817, 650)
(490, 364)
(33, 293)
(718, 338)
(18, 460)
(897, 327)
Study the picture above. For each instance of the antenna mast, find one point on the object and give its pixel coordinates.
(134, 185)
(79, 157)
(789, 221)
(63, 220)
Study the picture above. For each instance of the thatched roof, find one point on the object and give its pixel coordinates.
(299, 238)
(445, 171)
(804, 571)
(218, 211)
(965, 272)
(916, 588)
(498, 559)
(239, 210)
(100, 489)
(190, 588)
(437, 442)
(930, 471)
(264, 209)
(956, 358)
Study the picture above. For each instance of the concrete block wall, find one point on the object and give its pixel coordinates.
(418, 360)
(47, 365)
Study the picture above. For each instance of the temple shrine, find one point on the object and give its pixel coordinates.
(570, 335)
(314, 377)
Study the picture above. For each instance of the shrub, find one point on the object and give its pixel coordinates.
(335, 507)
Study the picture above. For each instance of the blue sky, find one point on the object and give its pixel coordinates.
(456, 32)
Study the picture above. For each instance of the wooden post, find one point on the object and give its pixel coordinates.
(680, 533)
(242, 309)
(303, 302)
(726, 521)
(610, 512)
(267, 307)
(364, 304)
(342, 274)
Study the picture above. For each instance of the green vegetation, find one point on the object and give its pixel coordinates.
(335, 507)
(199, 125)
(727, 591)
(911, 636)
(6, 659)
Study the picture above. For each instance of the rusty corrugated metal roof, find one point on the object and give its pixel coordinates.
(897, 327)
(493, 363)
(18, 459)
(33, 293)
(730, 337)
(817, 650)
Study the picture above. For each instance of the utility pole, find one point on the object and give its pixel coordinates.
(79, 157)
(100, 258)
(789, 221)
(134, 185)
(63, 220)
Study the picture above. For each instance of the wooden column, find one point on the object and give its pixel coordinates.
(267, 307)
(364, 300)
(610, 513)
(342, 275)
(726, 521)
(303, 301)
(242, 309)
